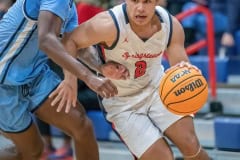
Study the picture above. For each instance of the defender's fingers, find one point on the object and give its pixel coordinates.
(68, 106)
(61, 104)
(74, 102)
(54, 93)
(57, 98)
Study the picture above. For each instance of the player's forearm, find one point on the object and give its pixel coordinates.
(76, 69)
(56, 51)
(72, 51)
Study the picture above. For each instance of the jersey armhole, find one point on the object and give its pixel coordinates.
(170, 29)
(118, 30)
(24, 8)
(100, 52)
(165, 17)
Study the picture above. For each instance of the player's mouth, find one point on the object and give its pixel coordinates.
(140, 17)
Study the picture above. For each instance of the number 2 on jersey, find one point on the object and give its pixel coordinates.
(140, 68)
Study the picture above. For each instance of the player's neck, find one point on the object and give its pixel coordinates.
(147, 30)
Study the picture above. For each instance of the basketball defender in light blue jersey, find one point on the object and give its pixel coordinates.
(27, 30)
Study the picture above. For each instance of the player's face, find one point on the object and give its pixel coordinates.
(141, 12)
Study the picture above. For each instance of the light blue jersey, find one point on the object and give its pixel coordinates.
(20, 59)
(25, 78)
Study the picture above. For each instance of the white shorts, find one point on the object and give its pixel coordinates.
(140, 119)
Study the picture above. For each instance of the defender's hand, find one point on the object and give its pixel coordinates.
(65, 96)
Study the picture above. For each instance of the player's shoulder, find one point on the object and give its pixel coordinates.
(118, 10)
(163, 13)
(161, 9)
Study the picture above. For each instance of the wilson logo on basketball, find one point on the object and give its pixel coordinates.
(183, 90)
(190, 87)
(179, 75)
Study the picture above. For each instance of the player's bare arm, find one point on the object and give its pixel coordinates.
(90, 57)
(48, 42)
(105, 33)
(87, 34)
(98, 30)
(110, 69)
(176, 51)
(66, 93)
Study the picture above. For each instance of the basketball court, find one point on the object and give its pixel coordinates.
(229, 97)
(109, 149)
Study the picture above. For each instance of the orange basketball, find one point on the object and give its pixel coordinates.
(183, 90)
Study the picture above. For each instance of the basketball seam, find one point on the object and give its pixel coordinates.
(178, 85)
(186, 100)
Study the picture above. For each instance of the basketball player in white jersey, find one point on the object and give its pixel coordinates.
(134, 35)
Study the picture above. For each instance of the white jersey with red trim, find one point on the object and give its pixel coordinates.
(141, 57)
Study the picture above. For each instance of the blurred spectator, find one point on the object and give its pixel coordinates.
(190, 23)
(4, 6)
(196, 24)
(232, 10)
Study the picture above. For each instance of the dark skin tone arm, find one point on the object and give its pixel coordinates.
(66, 92)
(49, 43)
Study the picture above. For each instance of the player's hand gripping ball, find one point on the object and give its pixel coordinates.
(183, 89)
